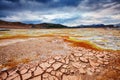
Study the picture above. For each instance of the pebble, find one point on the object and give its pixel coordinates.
(82, 71)
(106, 63)
(45, 65)
(83, 65)
(118, 68)
(97, 70)
(57, 57)
(26, 76)
(23, 71)
(49, 69)
(89, 72)
(63, 70)
(51, 61)
(83, 59)
(4, 75)
(78, 54)
(67, 60)
(56, 65)
(76, 64)
(38, 71)
(93, 63)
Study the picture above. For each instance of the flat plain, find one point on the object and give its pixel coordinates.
(60, 54)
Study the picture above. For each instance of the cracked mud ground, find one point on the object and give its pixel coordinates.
(49, 58)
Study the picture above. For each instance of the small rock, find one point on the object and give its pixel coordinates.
(12, 71)
(45, 75)
(51, 61)
(82, 71)
(58, 73)
(4, 69)
(106, 63)
(63, 70)
(62, 60)
(17, 78)
(49, 69)
(13, 76)
(67, 60)
(72, 70)
(83, 59)
(38, 71)
(83, 65)
(4, 75)
(93, 63)
(36, 78)
(117, 67)
(72, 58)
(92, 69)
(26, 76)
(23, 71)
(56, 65)
(77, 59)
(45, 65)
(100, 61)
(93, 51)
(78, 54)
(53, 72)
(57, 57)
(100, 55)
(33, 69)
(90, 54)
(97, 70)
(76, 64)
(65, 66)
(89, 72)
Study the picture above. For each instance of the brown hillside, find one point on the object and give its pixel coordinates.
(14, 25)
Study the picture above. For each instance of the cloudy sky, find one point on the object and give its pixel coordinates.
(67, 12)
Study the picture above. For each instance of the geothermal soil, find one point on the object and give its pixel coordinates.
(68, 54)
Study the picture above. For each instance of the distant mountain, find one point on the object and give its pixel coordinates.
(14, 25)
(98, 26)
(19, 25)
(10, 23)
(48, 25)
(117, 25)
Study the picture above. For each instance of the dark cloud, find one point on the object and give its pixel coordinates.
(42, 1)
(68, 3)
(11, 8)
(50, 4)
(27, 4)
(13, 0)
(118, 1)
(99, 4)
(8, 5)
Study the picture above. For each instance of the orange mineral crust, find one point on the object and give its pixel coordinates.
(12, 37)
(85, 44)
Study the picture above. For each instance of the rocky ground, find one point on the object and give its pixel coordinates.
(58, 60)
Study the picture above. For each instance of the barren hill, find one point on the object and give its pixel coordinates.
(14, 25)
(19, 25)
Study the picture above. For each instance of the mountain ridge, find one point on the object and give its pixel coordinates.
(17, 25)
(20, 25)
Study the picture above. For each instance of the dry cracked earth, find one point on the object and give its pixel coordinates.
(74, 63)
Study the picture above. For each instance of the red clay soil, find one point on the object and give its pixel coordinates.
(51, 58)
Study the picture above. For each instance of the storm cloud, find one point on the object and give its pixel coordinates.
(67, 12)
